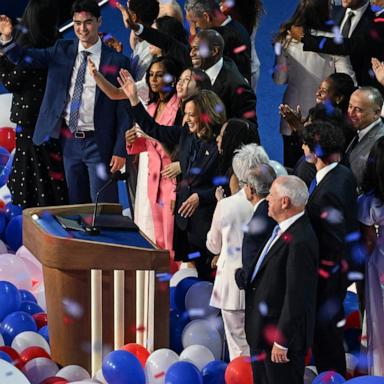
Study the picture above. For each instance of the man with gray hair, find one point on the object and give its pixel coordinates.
(364, 112)
(224, 239)
(281, 296)
(227, 82)
(206, 14)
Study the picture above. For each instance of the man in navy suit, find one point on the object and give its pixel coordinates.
(332, 209)
(281, 296)
(91, 126)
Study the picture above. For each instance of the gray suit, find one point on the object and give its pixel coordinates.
(359, 154)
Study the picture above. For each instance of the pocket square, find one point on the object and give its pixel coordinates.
(206, 153)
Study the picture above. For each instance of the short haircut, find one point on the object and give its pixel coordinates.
(374, 95)
(145, 10)
(89, 6)
(323, 139)
(248, 157)
(260, 178)
(294, 188)
(212, 38)
(198, 7)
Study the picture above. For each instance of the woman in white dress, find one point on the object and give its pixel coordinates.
(303, 71)
(225, 239)
(371, 217)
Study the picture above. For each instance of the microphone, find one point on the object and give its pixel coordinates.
(114, 177)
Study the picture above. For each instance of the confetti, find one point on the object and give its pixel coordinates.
(277, 48)
(101, 171)
(338, 38)
(109, 69)
(204, 50)
(240, 49)
(322, 42)
(112, 3)
(220, 180)
(193, 255)
(355, 276)
(72, 308)
(263, 308)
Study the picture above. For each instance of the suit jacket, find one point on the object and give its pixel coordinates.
(259, 231)
(332, 209)
(286, 284)
(111, 117)
(199, 165)
(366, 41)
(359, 155)
(235, 92)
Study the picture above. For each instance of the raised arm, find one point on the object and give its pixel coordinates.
(108, 88)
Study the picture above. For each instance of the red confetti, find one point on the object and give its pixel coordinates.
(272, 334)
(57, 176)
(323, 273)
(239, 90)
(287, 237)
(327, 262)
(160, 374)
(205, 118)
(68, 320)
(140, 328)
(112, 3)
(55, 156)
(379, 20)
(109, 69)
(249, 114)
(240, 49)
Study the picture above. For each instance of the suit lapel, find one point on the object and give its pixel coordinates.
(363, 142)
(69, 62)
(104, 60)
(321, 184)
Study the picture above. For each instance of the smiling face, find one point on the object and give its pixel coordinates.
(86, 28)
(156, 77)
(361, 110)
(195, 53)
(191, 117)
(324, 92)
(186, 85)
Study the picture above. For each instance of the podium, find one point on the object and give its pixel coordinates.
(90, 284)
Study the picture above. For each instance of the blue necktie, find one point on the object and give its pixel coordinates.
(312, 186)
(266, 249)
(77, 93)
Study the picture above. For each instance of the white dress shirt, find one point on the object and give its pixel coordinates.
(358, 13)
(324, 171)
(87, 106)
(214, 71)
(363, 132)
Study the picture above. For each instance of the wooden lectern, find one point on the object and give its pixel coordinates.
(67, 264)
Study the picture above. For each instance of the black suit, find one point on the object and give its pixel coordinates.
(259, 231)
(285, 285)
(332, 209)
(366, 41)
(199, 165)
(235, 92)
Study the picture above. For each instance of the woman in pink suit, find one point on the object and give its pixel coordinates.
(163, 106)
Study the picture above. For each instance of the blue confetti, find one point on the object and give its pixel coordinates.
(194, 255)
(322, 42)
(220, 180)
(195, 171)
(319, 151)
(163, 276)
(353, 236)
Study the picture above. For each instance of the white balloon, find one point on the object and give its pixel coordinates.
(278, 168)
(351, 361)
(203, 333)
(29, 339)
(10, 374)
(197, 301)
(39, 292)
(73, 373)
(157, 364)
(182, 274)
(198, 355)
(14, 270)
(39, 369)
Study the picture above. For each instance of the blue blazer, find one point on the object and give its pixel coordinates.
(111, 117)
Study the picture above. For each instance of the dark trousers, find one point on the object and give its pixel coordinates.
(85, 171)
(267, 372)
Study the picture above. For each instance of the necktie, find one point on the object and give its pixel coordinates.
(77, 93)
(347, 24)
(350, 148)
(275, 233)
(312, 186)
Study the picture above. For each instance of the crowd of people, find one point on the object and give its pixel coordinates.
(281, 245)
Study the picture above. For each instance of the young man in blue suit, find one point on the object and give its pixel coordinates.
(90, 125)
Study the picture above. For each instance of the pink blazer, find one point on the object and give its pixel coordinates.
(158, 159)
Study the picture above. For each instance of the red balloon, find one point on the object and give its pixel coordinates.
(14, 356)
(7, 138)
(138, 350)
(239, 371)
(41, 319)
(32, 352)
(54, 380)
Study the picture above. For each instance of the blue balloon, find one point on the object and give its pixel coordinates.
(30, 307)
(328, 377)
(4, 156)
(122, 367)
(3, 221)
(177, 322)
(15, 323)
(366, 380)
(43, 331)
(27, 296)
(12, 210)
(181, 290)
(183, 372)
(14, 233)
(351, 303)
(6, 357)
(172, 304)
(214, 372)
(10, 299)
